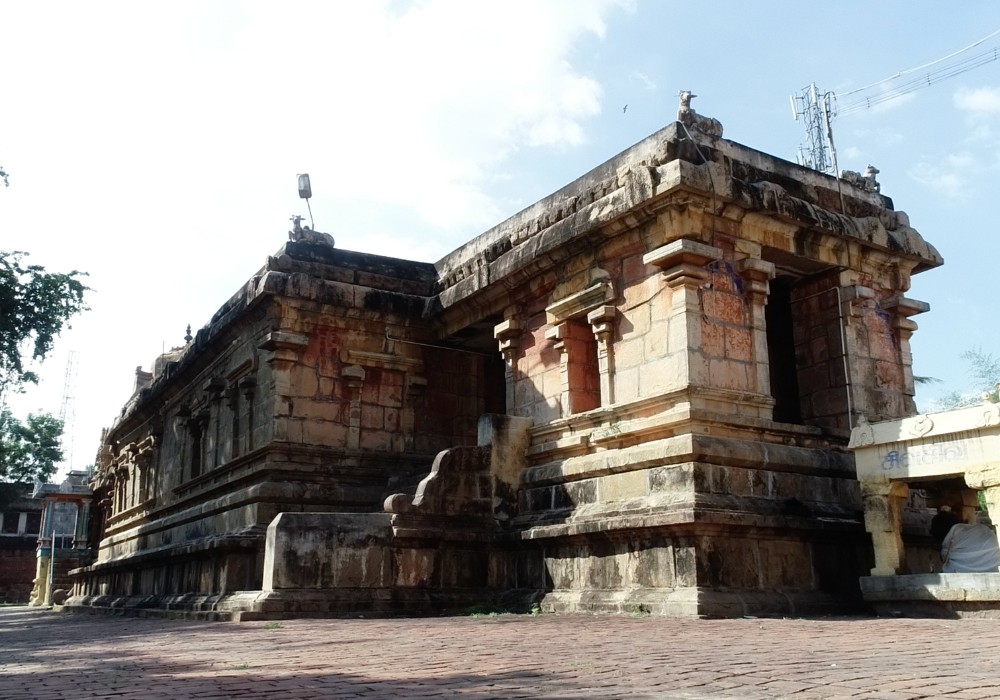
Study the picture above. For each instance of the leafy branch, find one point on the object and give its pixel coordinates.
(35, 305)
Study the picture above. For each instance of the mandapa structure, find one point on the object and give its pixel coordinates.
(636, 394)
(908, 468)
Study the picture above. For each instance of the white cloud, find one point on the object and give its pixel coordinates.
(644, 81)
(893, 104)
(945, 176)
(978, 102)
(960, 161)
(156, 146)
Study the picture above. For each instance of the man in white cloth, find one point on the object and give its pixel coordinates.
(966, 548)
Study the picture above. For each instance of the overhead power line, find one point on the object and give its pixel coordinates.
(817, 109)
(921, 81)
(925, 65)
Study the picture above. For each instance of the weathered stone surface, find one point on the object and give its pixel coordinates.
(668, 351)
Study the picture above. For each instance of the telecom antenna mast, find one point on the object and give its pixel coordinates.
(66, 412)
(817, 111)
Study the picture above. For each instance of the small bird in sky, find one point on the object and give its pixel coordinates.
(625, 108)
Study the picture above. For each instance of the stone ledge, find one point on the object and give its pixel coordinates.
(680, 520)
(934, 595)
(693, 602)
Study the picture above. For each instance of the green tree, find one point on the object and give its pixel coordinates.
(29, 450)
(35, 305)
(3, 176)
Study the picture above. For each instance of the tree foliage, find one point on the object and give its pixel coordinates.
(34, 307)
(984, 370)
(29, 450)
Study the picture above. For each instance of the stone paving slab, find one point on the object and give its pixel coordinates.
(56, 656)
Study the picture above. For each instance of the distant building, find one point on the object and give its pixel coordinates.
(639, 392)
(28, 525)
(19, 526)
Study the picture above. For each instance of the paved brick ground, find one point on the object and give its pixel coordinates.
(46, 655)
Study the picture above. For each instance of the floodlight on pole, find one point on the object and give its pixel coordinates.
(305, 192)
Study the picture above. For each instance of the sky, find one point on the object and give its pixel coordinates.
(156, 145)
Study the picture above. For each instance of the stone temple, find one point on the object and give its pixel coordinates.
(634, 395)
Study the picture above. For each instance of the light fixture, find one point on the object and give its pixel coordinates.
(305, 192)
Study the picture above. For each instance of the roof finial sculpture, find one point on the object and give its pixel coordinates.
(304, 234)
(187, 334)
(863, 181)
(688, 117)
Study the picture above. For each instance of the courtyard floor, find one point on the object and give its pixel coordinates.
(46, 655)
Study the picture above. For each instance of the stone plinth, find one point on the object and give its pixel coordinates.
(934, 595)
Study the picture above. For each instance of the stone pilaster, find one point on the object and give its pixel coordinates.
(683, 270)
(756, 274)
(248, 387)
(556, 334)
(354, 378)
(902, 308)
(213, 389)
(282, 354)
(508, 336)
(602, 321)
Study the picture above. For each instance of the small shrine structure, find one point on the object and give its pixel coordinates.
(907, 468)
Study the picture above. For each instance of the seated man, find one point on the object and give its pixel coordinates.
(965, 548)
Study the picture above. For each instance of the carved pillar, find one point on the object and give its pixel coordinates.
(508, 336)
(283, 348)
(233, 404)
(991, 495)
(196, 425)
(121, 488)
(883, 501)
(354, 378)
(555, 333)
(145, 461)
(983, 480)
(213, 394)
(248, 387)
(683, 264)
(602, 322)
(756, 274)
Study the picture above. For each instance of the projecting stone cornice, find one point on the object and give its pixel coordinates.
(634, 186)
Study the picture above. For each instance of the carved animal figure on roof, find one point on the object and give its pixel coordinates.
(864, 181)
(304, 234)
(688, 117)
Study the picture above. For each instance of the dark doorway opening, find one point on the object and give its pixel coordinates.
(782, 365)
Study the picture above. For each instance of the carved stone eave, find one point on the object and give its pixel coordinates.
(682, 251)
(283, 340)
(903, 306)
(580, 303)
(384, 360)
